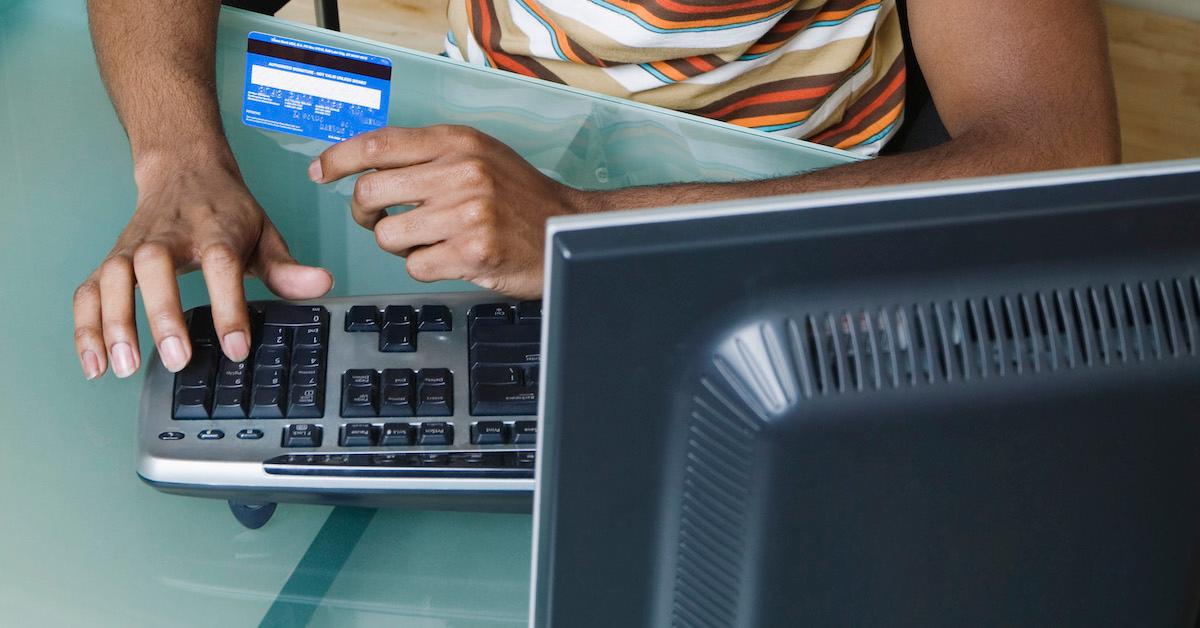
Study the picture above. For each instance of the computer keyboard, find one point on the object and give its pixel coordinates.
(427, 400)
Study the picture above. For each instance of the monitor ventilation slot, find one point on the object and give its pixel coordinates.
(1000, 336)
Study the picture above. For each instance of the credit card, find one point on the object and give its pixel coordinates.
(314, 90)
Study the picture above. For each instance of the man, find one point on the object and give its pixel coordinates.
(1019, 86)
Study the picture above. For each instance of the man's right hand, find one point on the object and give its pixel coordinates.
(189, 216)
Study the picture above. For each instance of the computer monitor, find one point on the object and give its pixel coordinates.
(973, 403)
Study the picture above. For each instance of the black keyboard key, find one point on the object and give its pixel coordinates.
(398, 338)
(362, 318)
(525, 353)
(305, 402)
(268, 376)
(267, 402)
(306, 356)
(435, 401)
(489, 314)
(170, 436)
(436, 433)
(270, 356)
(230, 403)
(308, 336)
(524, 433)
(306, 376)
(433, 460)
(487, 433)
(210, 435)
(275, 336)
(199, 370)
(360, 393)
(525, 459)
(359, 401)
(529, 313)
(200, 327)
(506, 334)
(232, 374)
(398, 377)
(360, 377)
(492, 400)
(396, 401)
(358, 435)
(396, 434)
(250, 434)
(504, 375)
(435, 318)
(398, 315)
(435, 392)
(293, 315)
(533, 375)
(434, 377)
(191, 403)
(302, 435)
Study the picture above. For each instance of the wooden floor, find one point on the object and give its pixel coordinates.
(1155, 59)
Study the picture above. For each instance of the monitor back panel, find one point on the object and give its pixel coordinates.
(969, 407)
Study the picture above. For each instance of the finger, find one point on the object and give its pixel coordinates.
(374, 192)
(423, 226)
(154, 267)
(392, 147)
(116, 313)
(223, 274)
(89, 333)
(435, 263)
(275, 266)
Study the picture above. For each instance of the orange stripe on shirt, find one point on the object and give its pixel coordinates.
(700, 64)
(809, 92)
(780, 96)
(670, 72)
(719, 7)
(773, 119)
(563, 43)
(783, 28)
(896, 83)
(650, 18)
(875, 127)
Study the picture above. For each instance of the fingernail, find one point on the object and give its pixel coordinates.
(171, 351)
(122, 359)
(314, 171)
(236, 347)
(91, 364)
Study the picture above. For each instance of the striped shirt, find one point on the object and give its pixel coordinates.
(829, 71)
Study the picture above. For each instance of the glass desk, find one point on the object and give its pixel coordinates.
(82, 540)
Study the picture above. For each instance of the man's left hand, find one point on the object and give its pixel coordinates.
(480, 210)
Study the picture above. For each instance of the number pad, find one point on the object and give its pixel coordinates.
(288, 340)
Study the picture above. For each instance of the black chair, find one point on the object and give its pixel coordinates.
(327, 10)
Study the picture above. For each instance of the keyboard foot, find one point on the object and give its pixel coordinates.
(253, 516)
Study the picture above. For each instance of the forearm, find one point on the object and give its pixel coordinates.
(157, 61)
(974, 153)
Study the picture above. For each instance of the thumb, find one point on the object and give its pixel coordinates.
(282, 274)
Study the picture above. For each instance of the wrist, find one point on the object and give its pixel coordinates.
(214, 158)
(588, 201)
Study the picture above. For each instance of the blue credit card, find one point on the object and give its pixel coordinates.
(313, 90)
